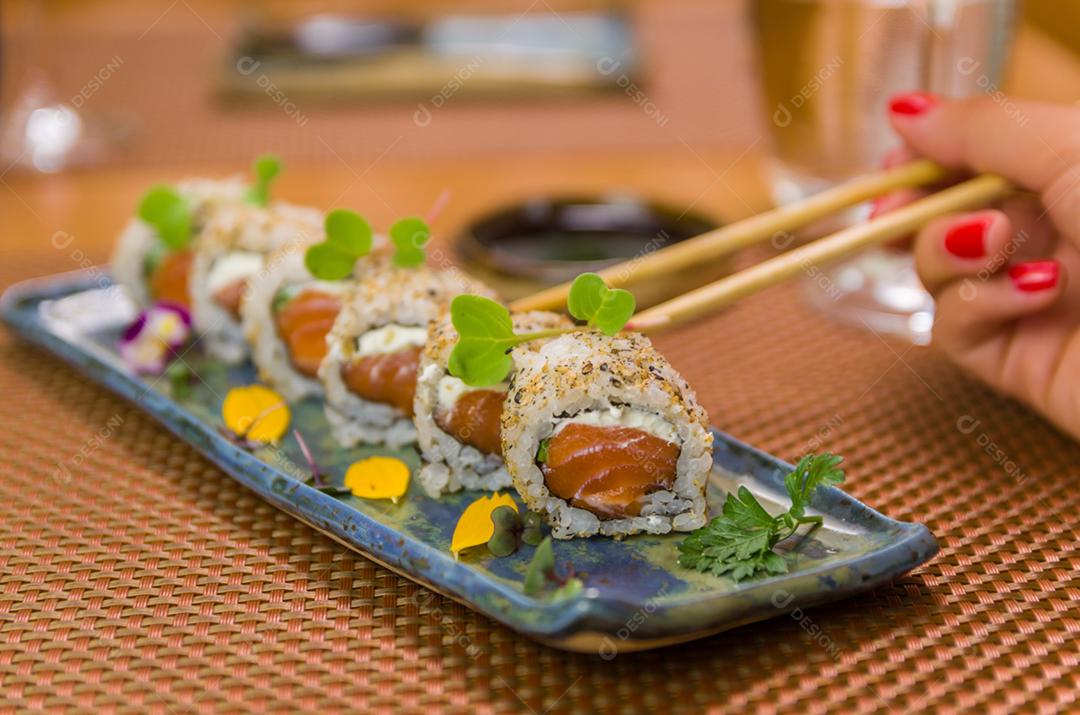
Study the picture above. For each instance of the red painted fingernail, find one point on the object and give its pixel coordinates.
(968, 239)
(1035, 276)
(876, 206)
(912, 103)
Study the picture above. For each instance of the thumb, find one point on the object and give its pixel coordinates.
(1036, 146)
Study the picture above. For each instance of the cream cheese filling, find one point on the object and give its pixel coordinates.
(449, 390)
(622, 416)
(390, 339)
(232, 267)
(338, 288)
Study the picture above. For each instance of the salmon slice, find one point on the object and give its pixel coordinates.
(231, 296)
(169, 280)
(303, 324)
(607, 470)
(475, 419)
(386, 377)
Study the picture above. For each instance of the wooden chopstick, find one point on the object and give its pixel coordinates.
(756, 229)
(967, 195)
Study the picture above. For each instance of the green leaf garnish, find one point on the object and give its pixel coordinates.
(266, 168)
(409, 236)
(603, 308)
(485, 337)
(163, 208)
(543, 563)
(740, 543)
(486, 333)
(348, 237)
(542, 572)
(155, 254)
(571, 588)
(326, 262)
(178, 375)
(348, 231)
(810, 473)
(284, 294)
(542, 450)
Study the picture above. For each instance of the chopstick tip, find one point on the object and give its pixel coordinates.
(644, 323)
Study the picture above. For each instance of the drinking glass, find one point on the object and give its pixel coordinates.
(41, 130)
(827, 69)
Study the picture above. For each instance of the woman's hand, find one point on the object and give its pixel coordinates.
(1006, 309)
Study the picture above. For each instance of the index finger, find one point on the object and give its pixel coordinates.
(1029, 143)
(1036, 146)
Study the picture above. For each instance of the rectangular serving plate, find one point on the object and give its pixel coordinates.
(635, 596)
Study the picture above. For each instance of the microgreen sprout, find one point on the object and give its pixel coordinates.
(348, 238)
(409, 236)
(163, 208)
(317, 479)
(600, 307)
(486, 336)
(265, 168)
(178, 376)
(542, 571)
(510, 527)
(486, 333)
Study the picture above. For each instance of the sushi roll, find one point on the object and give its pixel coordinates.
(369, 373)
(289, 313)
(458, 426)
(147, 268)
(602, 436)
(233, 249)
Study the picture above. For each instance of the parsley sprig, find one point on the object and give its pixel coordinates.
(739, 543)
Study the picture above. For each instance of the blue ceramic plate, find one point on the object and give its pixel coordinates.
(635, 596)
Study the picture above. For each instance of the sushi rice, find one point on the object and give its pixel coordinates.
(450, 465)
(245, 255)
(286, 268)
(580, 375)
(234, 247)
(399, 300)
(139, 241)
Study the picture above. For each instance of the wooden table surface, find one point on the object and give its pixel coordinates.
(92, 206)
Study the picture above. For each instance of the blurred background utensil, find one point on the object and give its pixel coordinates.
(337, 57)
(543, 241)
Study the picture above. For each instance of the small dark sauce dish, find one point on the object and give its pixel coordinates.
(543, 241)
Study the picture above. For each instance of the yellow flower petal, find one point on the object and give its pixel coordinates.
(474, 526)
(256, 412)
(378, 478)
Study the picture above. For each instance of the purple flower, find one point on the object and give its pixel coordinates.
(154, 337)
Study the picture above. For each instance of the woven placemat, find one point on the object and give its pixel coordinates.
(135, 577)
